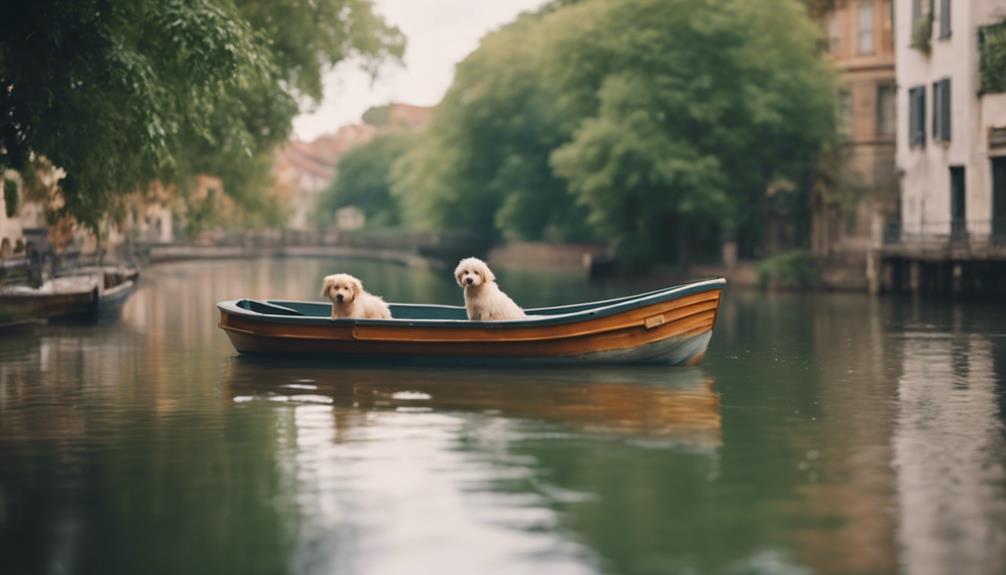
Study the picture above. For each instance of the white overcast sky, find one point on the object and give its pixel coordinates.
(439, 33)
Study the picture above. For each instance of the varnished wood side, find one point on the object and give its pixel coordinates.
(672, 311)
(685, 318)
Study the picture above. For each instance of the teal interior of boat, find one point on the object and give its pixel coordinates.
(310, 309)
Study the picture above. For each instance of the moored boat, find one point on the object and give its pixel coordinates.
(670, 326)
(83, 294)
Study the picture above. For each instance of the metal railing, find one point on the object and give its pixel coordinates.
(949, 234)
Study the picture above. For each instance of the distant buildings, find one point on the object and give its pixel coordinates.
(920, 193)
(305, 169)
(858, 38)
(952, 132)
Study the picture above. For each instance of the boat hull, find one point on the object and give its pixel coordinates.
(675, 330)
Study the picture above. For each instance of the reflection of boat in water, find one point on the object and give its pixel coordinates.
(84, 294)
(680, 405)
(669, 326)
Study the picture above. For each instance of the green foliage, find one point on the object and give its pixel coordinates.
(10, 197)
(922, 34)
(364, 180)
(483, 165)
(120, 93)
(656, 122)
(377, 115)
(992, 61)
(797, 269)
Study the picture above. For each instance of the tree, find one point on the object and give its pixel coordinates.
(661, 123)
(483, 164)
(363, 180)
(690, 109)
(120, 93)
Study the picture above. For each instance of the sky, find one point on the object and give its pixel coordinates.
(439, 34)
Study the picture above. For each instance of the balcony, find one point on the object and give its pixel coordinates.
(946, 240)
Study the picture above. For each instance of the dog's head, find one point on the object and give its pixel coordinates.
(473, 272)
(341, 288)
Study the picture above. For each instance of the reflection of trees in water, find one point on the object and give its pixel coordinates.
(501, 442)
(807, 386)
(516, 456)
(851, 488)
(109, 463)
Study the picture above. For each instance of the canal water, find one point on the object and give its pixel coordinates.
(822, 434)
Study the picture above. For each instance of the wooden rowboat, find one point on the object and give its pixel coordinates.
(669, 326)
(91, 294)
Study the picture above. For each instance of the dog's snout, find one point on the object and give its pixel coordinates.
(340, 297)
(469, 280)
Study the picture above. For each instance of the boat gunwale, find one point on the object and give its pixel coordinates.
(592, 310)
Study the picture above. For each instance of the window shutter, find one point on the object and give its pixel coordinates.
(913, 104)
(945, 109)
(944, 18)
(922, 115)
(917, 116)
(936, 111)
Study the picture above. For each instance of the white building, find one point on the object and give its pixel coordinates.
(951, 134)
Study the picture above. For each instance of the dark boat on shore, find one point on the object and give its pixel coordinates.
(668, 326)
(92, 294)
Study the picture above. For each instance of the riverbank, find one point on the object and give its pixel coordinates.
(174, 253)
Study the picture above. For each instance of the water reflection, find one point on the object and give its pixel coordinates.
(375, 454)
(949, 455)
(842, 435)
(677, 405)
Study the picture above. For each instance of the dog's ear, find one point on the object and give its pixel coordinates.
(488, 274)
(357, 287)
(326, 287)
(457, 275)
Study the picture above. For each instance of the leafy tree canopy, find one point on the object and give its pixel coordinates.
(119, 93)
(659, 122)
(483, 164)
(364, 180)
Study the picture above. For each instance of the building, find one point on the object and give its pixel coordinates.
(952, 136)
(951, 149)
(858, 39)
(305, 169)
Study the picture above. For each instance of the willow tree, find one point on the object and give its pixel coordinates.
(120, 93)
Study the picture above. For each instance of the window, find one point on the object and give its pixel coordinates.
(866, 27)
(843, 112)
(941, 110)
(944, 18)
(885, 109)
(917, 116)
(834, 38)
(958, 205)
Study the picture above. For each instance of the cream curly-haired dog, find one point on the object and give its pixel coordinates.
(350, 300)
(483, 298)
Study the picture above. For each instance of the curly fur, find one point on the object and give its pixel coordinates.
(483, 298)
(349, 300)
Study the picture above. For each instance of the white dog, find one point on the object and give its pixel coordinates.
(350, 300)
(483, 298)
